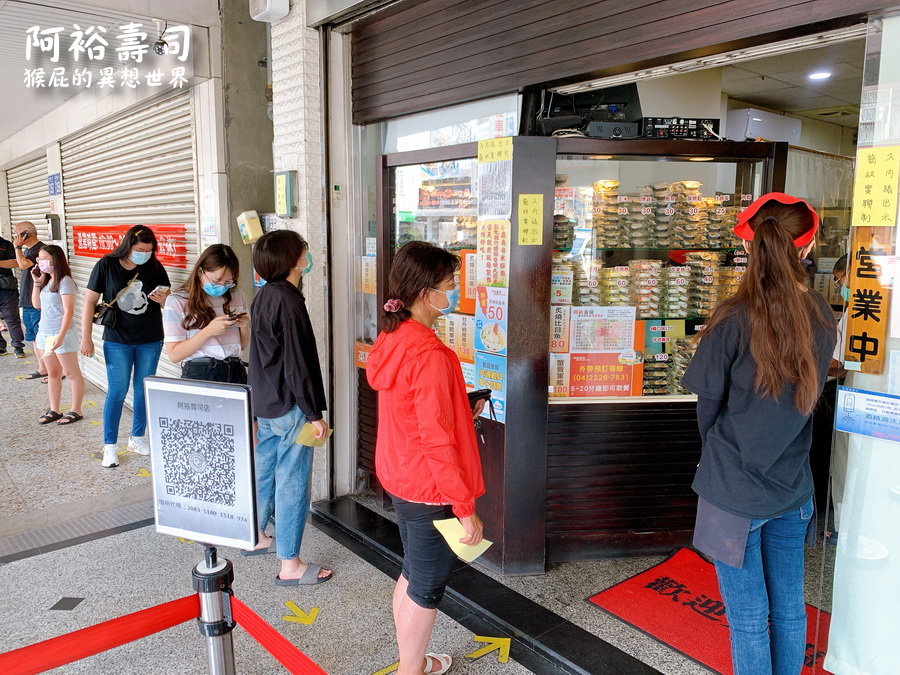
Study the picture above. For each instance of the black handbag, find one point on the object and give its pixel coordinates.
(106, 314)
(481, 395)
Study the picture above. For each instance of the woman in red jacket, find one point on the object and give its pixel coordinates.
(426, 457)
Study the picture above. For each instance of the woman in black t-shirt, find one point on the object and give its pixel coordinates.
(133, 277)
(758, 372)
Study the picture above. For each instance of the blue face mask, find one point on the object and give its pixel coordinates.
(216, 290)
(140, 257)
(452, 299)
(309, 264)
(845, 293)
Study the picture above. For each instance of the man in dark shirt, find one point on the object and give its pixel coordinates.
(9, 299)
(27, 247)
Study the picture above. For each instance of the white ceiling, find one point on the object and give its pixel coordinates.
(782, 82)
(23, 105)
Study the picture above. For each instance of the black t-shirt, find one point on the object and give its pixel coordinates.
(139, 318)
(7, 252)
(755, 460)
(26, 283)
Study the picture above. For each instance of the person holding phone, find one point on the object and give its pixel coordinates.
(288, 393)
(427, 456)
(54, 295)
(206, 323)
(27, 246)
(131, 276)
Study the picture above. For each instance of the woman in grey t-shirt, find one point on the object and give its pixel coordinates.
(54, 294)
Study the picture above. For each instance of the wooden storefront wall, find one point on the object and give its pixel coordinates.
(425, 54)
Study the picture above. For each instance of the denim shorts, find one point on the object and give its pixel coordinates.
(31, 317)
(427, 558)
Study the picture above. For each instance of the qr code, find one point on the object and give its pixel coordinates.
(198, 459)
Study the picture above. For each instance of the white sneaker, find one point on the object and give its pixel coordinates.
(110, 458)
(139, 445)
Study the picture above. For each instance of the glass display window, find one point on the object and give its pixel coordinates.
(643, 250)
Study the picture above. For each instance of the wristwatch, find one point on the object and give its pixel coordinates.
(19, 248)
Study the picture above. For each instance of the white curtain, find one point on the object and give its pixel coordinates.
(825, 181)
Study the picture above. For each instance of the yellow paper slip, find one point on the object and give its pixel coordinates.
(48, 342)
(307, 436)
(452, 530)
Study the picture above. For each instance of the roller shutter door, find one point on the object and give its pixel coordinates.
(135, 170)
(28, 199)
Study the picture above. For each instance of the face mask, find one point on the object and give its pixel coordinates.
(140, 257)
(216, 290)
(45, 266)
(845, 293)
(452, 299)
(309, 264)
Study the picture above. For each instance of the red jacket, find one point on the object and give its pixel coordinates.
(426, 450)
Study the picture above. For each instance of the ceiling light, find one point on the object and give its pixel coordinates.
(723, 59)
(820, 75)
(701, 159)
(599, 156)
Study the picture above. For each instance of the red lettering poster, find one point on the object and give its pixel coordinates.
(95, 241)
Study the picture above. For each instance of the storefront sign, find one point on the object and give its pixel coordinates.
(361, 352)
(201, 437)
(868, 413)
(870, 295)
(490, 373)
(95, 241)
(367, 274)
(54, 184)
(604, 375)
(493, 252)
(491, 315)
(602, 330)
(875, 186)
(531, 220)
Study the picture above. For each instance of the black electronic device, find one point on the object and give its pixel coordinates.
(613, 129)
(680, 127)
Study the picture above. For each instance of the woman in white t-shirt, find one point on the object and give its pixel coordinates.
(53, 293)
(206, 322)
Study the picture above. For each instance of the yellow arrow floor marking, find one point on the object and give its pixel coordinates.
(143, 473)
(493, 643)
(90, 404)
(390, 669)
(96, 423)
(299, 616)
(185, 541)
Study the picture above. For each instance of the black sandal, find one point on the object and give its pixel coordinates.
(70, 418)
(34, 375)
(49, 416)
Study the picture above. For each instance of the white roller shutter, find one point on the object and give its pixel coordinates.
(26, 185)
(135, 170)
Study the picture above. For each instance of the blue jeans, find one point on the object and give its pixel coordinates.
(123, 361)
(31, 318)
(282, 480)
(764, 599)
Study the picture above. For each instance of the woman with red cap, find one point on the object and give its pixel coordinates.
(758, 372)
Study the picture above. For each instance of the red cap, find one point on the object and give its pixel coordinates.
(745, 232)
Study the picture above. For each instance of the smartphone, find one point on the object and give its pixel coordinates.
(160, 288)
(239, 315)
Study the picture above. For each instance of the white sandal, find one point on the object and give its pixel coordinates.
(444, 659)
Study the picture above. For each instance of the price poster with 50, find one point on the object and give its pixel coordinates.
(490, 373)
(491, 311)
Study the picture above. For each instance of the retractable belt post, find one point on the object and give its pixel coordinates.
(212, 580)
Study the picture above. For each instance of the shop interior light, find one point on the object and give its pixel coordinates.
(600, 156)
(701, 159)
(723, 59)
(819, 75)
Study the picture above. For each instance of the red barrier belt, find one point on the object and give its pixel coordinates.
(88, 641)
(273, 642)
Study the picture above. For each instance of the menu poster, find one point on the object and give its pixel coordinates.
(493, 252)
(875, 187)
(490, 373)
(495, 189)
(460, 330)
(660, 335)
(468, 371)
(602, 330)
(491, 313)
(604, 375)
(559, 376)
(559, 329)
(561, 283)
(468, 280)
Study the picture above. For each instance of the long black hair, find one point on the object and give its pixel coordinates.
(417, 267)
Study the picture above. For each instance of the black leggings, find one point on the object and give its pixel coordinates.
(427, 558)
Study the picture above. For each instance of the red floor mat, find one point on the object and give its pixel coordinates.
(678, 603)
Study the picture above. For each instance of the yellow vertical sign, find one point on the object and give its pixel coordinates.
(531, 220)
(868, 309)
(875, 187)
(281, 205)
(495, 149)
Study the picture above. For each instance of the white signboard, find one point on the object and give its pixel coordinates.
(204, 485)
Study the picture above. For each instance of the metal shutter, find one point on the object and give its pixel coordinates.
(28, 199)
(136, 169)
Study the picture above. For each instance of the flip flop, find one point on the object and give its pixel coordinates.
(70, 418)
(445, 661)
(34, 375)
(310, 578)
(49, 416)
(261, 551)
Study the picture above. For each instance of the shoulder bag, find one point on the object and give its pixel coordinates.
(105, 313)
